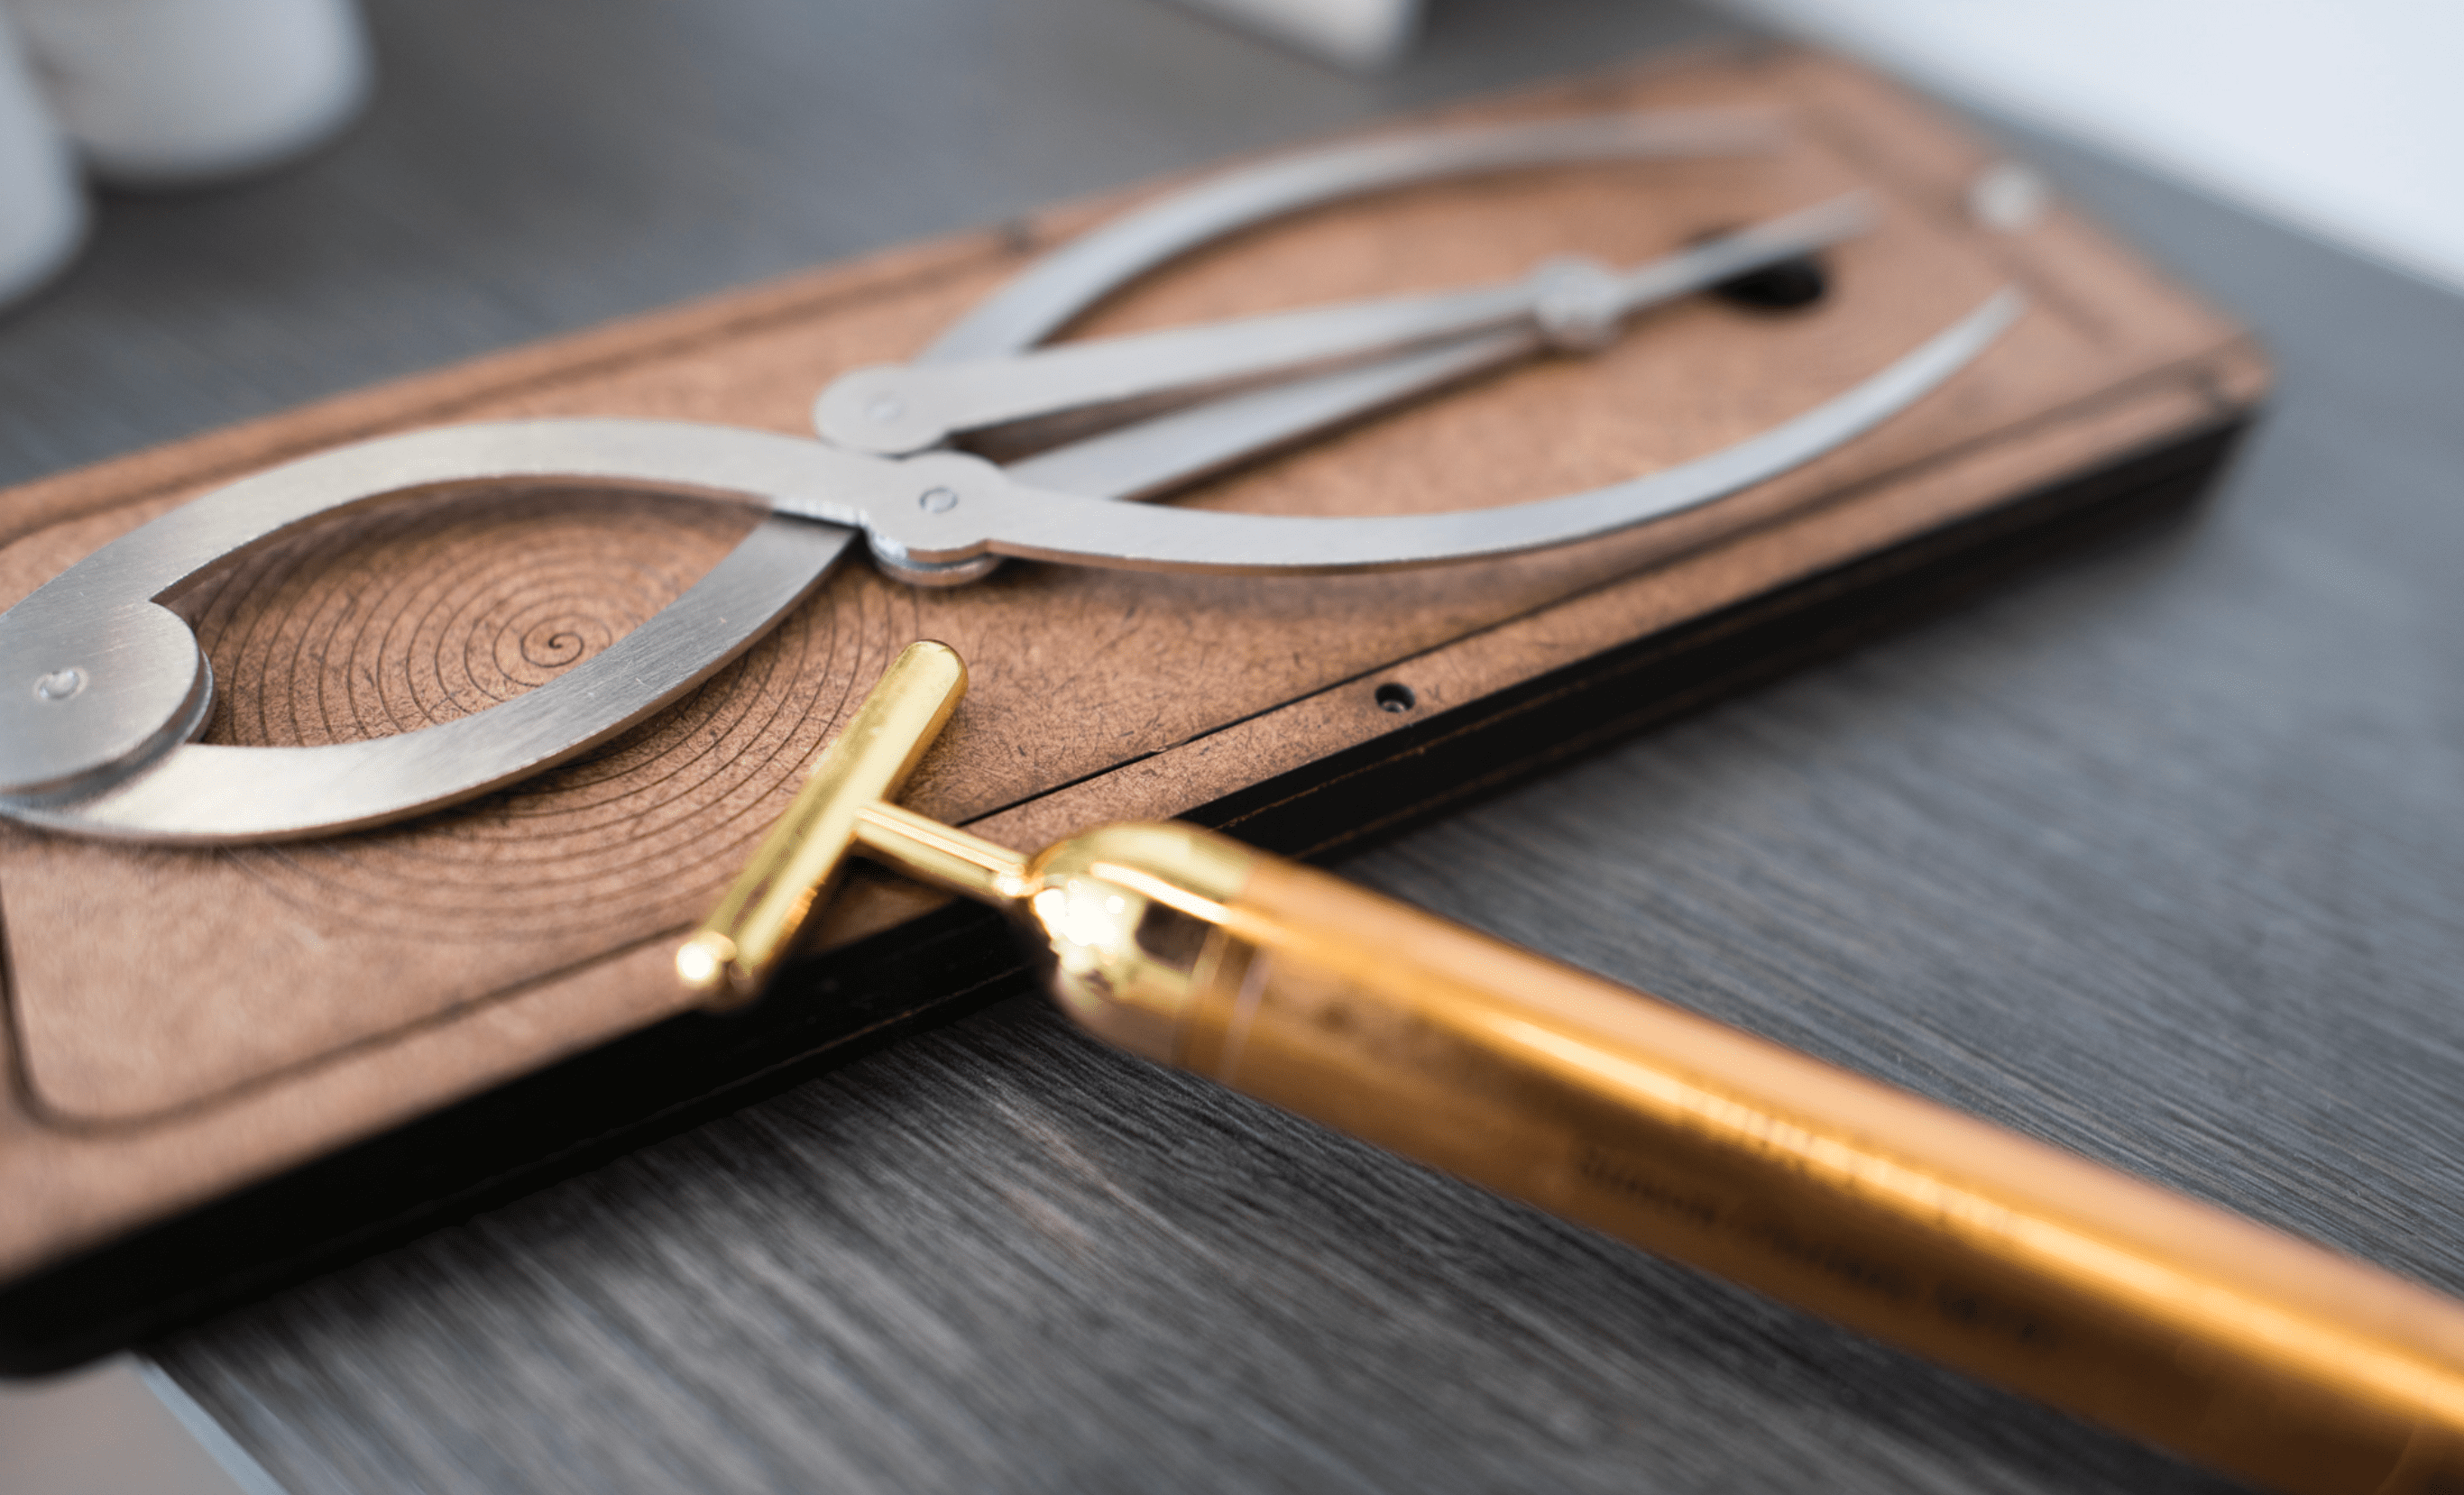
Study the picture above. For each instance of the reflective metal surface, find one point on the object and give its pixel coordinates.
(1573, 304)
(1158, 455)
(154, 785)
(993, 516)
(727, 961)
(101, 687)
(1078, 275)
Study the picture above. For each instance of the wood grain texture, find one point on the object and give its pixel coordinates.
(2158, 859)
(186, 1023)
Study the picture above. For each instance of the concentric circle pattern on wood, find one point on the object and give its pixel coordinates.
(435, 611)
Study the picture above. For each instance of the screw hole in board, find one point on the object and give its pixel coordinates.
(1395, 696)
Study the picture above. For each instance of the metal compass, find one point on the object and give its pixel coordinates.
(102, 688)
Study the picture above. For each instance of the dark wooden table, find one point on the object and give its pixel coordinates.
(2157, 855)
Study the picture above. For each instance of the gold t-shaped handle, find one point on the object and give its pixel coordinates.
(726, 961)
(2060, 1279)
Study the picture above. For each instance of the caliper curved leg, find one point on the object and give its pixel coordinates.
(101, 687)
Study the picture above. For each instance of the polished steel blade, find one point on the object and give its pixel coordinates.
(1079, 274)
(987, 514)
(893, 410)
(1162, 452)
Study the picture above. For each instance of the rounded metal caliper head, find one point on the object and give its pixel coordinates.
(101, 687)
(90, 693)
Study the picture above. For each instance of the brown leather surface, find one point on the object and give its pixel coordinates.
(181, 1022)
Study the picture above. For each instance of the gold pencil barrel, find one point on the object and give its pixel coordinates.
(2154, 1314)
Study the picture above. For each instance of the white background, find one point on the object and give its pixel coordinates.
(2345, 119)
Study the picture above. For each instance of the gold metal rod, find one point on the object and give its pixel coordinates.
(728, 959)
(944, 855)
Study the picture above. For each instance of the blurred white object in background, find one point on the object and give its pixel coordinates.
(2340, 117)
(1366, 35)
(42, 203)
(173, 93)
